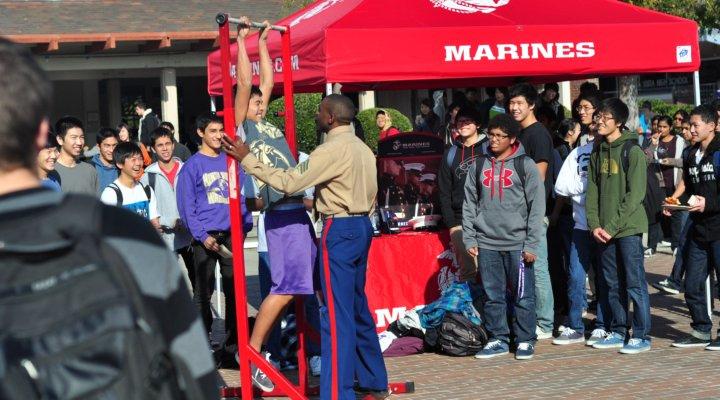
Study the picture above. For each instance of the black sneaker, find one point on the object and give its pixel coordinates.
(691, 341)
(370, 394)
(714, 345)
(667, 286)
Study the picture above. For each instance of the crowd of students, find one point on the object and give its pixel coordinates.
(533, 215)
(591, 191)
(532, 208)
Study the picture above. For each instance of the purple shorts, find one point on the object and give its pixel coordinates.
(292, 249)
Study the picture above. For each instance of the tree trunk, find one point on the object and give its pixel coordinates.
(628, 93)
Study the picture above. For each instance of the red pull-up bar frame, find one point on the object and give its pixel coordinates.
(247, 354)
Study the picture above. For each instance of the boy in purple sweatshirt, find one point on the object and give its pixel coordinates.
(203, 203)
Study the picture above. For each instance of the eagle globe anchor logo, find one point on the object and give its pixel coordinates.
(470, 6)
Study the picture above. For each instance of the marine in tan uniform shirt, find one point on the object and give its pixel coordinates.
(345, 178)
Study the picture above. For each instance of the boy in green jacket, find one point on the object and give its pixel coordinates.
(617, 181)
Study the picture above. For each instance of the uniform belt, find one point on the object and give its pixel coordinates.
(343, 215)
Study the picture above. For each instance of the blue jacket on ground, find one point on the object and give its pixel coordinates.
(455, 298)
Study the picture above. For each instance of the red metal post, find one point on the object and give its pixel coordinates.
(246, 353)
(235, 216)
(288, 92)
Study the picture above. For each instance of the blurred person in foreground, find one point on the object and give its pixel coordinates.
(56, 247)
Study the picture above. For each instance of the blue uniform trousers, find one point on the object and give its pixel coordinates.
(350, 347)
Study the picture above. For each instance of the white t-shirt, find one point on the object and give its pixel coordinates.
(572, 182)
(698, 156)
(134, 199)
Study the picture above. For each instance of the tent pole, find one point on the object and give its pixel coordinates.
(328, 89)
(288, 93)
(213, 106)
(696, 87)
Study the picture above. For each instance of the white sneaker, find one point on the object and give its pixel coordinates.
(541, 334)
(664, 244)
(596, 336)
(315, 365)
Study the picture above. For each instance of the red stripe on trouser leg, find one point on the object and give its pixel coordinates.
(331, 311)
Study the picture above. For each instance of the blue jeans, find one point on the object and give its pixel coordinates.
(622, 267)
(701, 256)
(544, 303)
(678, 270)
(501, 271)
(583, 256)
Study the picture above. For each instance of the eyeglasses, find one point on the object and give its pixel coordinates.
(587, 109)
(679, 119)
(498, 137)
(602, 118)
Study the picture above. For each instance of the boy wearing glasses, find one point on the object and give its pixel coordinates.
(457, 160)
(616, 217)
(502, 226)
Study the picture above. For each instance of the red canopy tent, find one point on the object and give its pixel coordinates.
(380, 44)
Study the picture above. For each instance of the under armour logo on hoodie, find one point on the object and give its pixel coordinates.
(505, 180)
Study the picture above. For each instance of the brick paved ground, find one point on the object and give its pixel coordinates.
(573, 371)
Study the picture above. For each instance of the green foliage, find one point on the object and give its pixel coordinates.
(290, 6)
(367, 120)
(306, 106)
(705, 12)
(660, 107)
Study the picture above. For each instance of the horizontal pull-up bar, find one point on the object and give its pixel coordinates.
(223, 18)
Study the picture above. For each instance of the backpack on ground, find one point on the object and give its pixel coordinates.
(457, 336)
(118, 192)
(74, 320)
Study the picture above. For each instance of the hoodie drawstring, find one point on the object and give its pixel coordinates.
(492, 178)
(500, 178)
(462, 153)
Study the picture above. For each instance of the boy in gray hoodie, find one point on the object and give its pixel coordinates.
(502, 226)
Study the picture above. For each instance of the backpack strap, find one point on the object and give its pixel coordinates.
(147, 190)
(451, 155)
(519, 165)
(152, 178)
(118, 194)
(627, 146)
(479, 162)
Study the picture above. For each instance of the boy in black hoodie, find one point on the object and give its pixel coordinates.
(451, 184)
(703, 245)
(503, 225)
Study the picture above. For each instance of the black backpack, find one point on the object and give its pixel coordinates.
(457, 336)
(74, 324)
